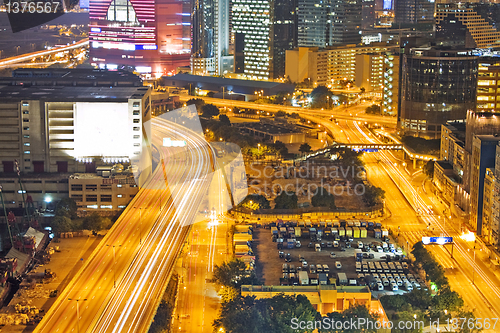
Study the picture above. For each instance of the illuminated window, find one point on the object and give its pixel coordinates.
(122, 11)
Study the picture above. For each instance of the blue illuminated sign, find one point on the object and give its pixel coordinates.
(437, 240)
(146, 47)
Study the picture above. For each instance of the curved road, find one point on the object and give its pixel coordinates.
(120, 286)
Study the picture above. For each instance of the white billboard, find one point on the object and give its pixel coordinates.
(103, 129)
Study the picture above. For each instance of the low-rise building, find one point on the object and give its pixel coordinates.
(106, 194)
(445, 181)
(324, 298)
(272, 132)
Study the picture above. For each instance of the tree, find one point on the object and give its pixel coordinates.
(210, 94)
(286, 200)
(429, 169)
(233, 274)
(323, 198)
(373, 195)
(447, 299)
(224, 120)
(362, 89)
(236, 110)
(280, 114)
(255, 201)
(209, 110)
(373, 109)
(352, 314)
(321, 97)
(67, 207)
(61, 223)
(270, 315)
(95, 222)
(305, 148)
(280, 148)
(198, 102)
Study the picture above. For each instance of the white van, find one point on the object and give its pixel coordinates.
(317, 247)
(394, 287)
(360, 245)
(338, 265)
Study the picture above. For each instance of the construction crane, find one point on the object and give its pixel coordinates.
(27, 215)
(6, 218)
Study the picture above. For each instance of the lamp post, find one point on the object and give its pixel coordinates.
(114, 264)
(77, 312)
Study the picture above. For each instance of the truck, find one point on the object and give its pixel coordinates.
(363, 224)
(385, 232)
(370, 226)
(358, 254)
(242, 238)
(303, 278)
(342, 279)
(274, 231)
(313, 279)
(290, 243)
(312, 231)
(378, 225)
(322, 224)
(298, 232)
(355, 232)
(378, 233)
(243, 228)
(323, 279)
(328, 233)
(363, 233)
(357, 223)
(305, 233)
(348, 232)
(341, 232)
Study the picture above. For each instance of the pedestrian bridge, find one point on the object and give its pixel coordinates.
(362, 146)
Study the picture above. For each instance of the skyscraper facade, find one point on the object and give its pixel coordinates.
(210, 47)
(152, 36)
(346, 21)
(263, 30)
(314, 23)
(437, 85)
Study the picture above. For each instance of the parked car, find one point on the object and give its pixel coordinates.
(298, 244)
(281, 254)
(338, 265)
(333, 255)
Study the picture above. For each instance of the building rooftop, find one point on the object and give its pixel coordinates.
(246, 87)
(488, 137)
(445, 165)
(73, 94)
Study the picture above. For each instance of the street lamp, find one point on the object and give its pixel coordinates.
(114, 263)
(77, 312)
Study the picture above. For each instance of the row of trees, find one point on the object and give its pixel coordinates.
(444, 304)
(66, 219)
(247, 314)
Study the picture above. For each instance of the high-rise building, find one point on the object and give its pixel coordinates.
(368, 14)
(263, 30)
(482, 158)
(338, 63)
(390, 84)
(210, 47)
(152, 36)
(414, 11)
(346, 21)
(488, 210)
(459, 23)
(437, 85)
(495, 218)
(314, 22)
(488, 84)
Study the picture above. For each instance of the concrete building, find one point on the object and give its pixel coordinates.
(333, 64)
(458, 23)
(390, 84)
(324, 298)
(445, 181)
(44, 189)
(346, 21)
(369, 71)
(437, 85)
(452, 148)
(488, 209)
(495, 216)
(483, 157)
(106, 195)
(414, 11)
(46, 129)
(488, 84)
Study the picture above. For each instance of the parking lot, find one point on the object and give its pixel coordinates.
(269, 263)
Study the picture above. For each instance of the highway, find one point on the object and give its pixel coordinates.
(337, 112)
(9, 62)
(120, 286)
(403, 198)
